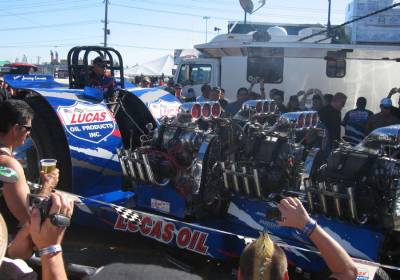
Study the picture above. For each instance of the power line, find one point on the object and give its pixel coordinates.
(224, 10)
(229, 3)
(141, 47)
(200, 16)
(167, 11)
(158, 26)
(49, 41)
(66, 24)
(49, 10)
(42, 4)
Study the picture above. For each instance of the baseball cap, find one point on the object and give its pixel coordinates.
(178, 86)
(386, 103)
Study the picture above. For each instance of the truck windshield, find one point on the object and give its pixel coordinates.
(195, 74)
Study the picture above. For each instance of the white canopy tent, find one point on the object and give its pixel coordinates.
(157, 67)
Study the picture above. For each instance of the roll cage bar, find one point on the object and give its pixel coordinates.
(79, 71)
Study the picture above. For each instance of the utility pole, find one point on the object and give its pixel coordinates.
(38, 60)
(106, 31)
(329, 15)
(206, 18)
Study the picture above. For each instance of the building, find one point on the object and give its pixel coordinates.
(382, 28)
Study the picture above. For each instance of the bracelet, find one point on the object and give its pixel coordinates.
(309, 227)
(50, 250)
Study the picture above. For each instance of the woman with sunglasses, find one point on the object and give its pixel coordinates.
(16, 122)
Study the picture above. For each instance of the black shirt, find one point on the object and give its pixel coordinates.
(395, 112)
(232, 108)
(223, 103)
(332, 119)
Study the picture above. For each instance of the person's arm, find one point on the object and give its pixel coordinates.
(21, 247)
(302, 100)
(45, 234)
(339, 262)
(252, 83)
(393, 91)
(345, 119)
(53, 267)
(15, 195)
(262, 89)
(368, 127)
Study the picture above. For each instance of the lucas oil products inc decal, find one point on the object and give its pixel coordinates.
(89, 122)
(166, 232)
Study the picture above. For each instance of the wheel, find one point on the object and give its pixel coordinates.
(48, 140)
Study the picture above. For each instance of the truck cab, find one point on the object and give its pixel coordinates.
(195, 72)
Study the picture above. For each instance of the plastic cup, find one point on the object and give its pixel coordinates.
(47, 165)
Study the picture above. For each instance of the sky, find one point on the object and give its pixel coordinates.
(142, 30)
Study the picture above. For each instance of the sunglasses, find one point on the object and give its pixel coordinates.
(28, 128)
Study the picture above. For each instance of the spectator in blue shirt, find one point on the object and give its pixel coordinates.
(355, 122)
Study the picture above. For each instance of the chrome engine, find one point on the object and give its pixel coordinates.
(208, 158)
(360, 184)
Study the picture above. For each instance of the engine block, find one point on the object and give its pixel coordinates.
(360, 184)
(207, 157)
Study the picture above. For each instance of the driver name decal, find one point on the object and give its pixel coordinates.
(90, 122)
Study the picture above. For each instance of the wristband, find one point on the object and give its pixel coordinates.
(309, 227)
(50, 250)
(262, 88)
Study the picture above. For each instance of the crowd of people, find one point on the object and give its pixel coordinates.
(357, 123)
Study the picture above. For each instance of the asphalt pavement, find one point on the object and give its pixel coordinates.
(95, 248)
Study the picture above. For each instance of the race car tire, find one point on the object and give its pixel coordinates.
(49, 141)
(381, 275)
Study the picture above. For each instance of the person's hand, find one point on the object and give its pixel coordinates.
(46, 234)
(293, 213)
(317, 91)
(310, 92)
(393, 91)
(50, 180)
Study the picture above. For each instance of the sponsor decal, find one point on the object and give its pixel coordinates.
(89, 122)
(166, 232)
(30, 78)
(162, 108)
(160, 205)
(362, 274)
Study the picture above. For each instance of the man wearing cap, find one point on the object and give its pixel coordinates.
(99, 79)
(384, 118)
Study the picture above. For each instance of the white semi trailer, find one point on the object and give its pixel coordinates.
(232, 60)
